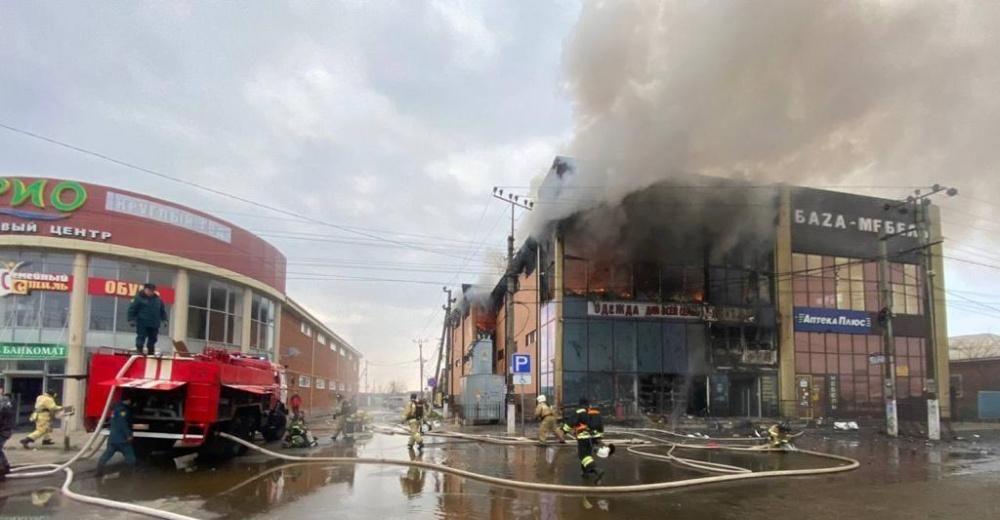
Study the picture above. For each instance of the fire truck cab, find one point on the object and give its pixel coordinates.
(180, 401)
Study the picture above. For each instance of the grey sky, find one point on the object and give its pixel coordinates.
(394, 116)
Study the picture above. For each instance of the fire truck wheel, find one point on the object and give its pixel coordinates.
(243, 426)
(275, 426)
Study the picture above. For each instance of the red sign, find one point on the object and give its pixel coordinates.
(123, 289)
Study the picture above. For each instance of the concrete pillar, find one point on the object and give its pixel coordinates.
(276, 353)
(557, 372)
(74, 389)
(785, 306)
(182, 294)
(245, 332)
(942, 369)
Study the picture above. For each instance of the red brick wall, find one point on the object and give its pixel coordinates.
(316, 361)
(976, 375)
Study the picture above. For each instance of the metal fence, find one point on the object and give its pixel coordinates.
(481, 412)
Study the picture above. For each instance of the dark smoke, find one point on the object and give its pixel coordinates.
(814, 93)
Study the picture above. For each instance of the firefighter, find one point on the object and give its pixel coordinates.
(119, 435)
(146, 313)
(297, 435)
(780, 435)
(413, 415)
(339, 416)
(6, 429)
(588, 428)
(545, 414)
(45, 411)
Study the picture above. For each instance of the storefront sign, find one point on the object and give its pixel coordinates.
(646, 310)
(63, 196)
(832, 320)
(55, 230)
(32, 351)
(733, 315)
(13, 281)
(123, 289)
(841, 224)
(137, 207)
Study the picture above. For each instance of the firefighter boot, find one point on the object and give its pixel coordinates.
(26, 442)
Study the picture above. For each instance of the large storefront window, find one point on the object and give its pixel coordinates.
(634, 365)
(843, 376)
(852, 284)
(109, 314)
(215, 313)
(262, 325)
(39, 316)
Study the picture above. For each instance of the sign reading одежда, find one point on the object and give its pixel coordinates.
(32, 351)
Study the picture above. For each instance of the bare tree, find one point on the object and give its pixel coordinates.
(396, 387)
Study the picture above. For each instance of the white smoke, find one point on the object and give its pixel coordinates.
(806, 92)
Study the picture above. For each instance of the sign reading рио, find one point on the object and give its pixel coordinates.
(63, 196)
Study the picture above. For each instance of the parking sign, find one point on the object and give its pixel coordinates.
(521, 364)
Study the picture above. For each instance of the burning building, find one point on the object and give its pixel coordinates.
(716, 297)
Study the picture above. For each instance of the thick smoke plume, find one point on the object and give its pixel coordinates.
(816, 93)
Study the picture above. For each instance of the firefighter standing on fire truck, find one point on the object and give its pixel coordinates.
(414, 417)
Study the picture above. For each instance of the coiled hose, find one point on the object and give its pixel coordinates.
(45, 470)
(848, 464)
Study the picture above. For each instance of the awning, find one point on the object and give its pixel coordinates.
(253, 389)
(149, 384)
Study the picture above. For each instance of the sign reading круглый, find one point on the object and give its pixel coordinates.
(32, 351)
(808, 319)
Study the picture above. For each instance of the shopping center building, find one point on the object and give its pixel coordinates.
(712, 297)
(73, 254)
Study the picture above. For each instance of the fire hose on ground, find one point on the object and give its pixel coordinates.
(46, 470)
(847, 464)
(730, 473)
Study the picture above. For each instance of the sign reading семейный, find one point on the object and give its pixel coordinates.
(32, 351)
(808, 319)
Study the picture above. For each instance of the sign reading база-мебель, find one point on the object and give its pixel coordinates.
(808, 319)
(33, 351)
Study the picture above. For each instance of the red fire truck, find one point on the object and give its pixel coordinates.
(181, 400)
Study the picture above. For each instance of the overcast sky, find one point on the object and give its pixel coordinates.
(392, 117)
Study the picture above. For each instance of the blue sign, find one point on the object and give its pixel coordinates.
(522, 364)
(808, 319)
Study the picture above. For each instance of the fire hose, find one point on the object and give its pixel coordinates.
(45, 470)
(847, 464)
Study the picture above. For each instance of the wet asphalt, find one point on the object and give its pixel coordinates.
(904, 478)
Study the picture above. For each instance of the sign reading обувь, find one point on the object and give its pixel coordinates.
(32, 351)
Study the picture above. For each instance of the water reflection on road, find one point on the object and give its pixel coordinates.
(255, 486)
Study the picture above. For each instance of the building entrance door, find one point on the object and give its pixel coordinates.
(23, 392)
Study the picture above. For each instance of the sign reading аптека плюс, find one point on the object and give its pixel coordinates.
(808, 319)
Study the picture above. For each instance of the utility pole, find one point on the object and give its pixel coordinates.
(889, 346)
(445, 352)
(515, 201)
(919, 203)
(420, 346)
(368, 394)
(923, 218)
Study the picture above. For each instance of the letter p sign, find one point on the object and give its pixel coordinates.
(521, 364)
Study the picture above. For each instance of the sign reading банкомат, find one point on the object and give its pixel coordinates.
(32, 351)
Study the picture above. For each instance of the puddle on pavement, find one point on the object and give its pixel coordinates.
(256, 486)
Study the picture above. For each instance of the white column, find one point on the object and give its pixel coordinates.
(276, 356)
(74, 389)
(245, 332)
(182, 295)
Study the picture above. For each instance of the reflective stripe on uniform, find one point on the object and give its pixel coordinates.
(586, 461)
(583, 435)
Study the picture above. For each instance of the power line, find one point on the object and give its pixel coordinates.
(178, 180)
